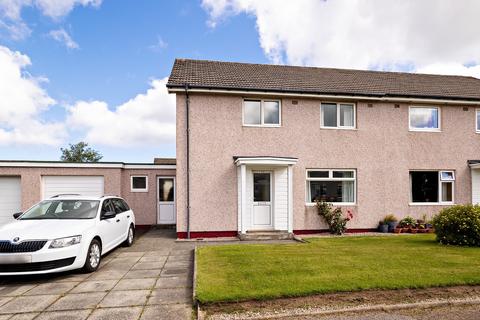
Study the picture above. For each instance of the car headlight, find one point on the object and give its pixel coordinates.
(65, 242)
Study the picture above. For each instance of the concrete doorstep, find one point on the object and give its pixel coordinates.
(318, 311)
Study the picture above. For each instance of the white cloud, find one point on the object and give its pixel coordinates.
(63, 37)
(387, 34)
(147, 119)
(23, 100)
(11, 21)
(159, 45)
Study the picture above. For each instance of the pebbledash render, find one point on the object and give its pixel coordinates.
(258, 144)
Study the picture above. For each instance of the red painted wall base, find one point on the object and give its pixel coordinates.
(218, 234)
(206, 234)
(300, 232)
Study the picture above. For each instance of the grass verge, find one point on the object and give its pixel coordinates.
(325, 265)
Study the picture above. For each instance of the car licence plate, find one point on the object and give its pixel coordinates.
(14, 258)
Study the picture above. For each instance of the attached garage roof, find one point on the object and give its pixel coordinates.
(61, 164)
(294, 79)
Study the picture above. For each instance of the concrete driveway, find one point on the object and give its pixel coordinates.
(150, 280)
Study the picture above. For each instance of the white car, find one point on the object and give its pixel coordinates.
(63, 233)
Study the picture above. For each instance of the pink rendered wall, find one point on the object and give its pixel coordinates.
(382, 149)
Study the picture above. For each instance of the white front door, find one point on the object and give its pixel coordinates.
(166, 200)
(262, 200)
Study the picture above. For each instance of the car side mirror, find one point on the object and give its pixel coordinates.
(17, 214)
(109, 215)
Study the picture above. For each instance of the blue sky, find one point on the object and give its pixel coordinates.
(95, 70)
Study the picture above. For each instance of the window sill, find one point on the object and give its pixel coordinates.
(262, 125)
(139, 190)
(414, 204)
(338, 128)
(338, 204)
(425, 130)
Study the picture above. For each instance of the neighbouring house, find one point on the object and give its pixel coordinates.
(149, 188)
(257, 145)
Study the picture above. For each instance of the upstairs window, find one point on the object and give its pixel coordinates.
(477, 122)
(424, 119)
(432, 186)
(261, 113)
(338, 115)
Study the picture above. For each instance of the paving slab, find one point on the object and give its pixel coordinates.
(52, 288)
(156, 258)
(170, 312)
(4, 300)
(175, 272)
(63, 315)
(148, 265)
(133, 284)
(24, 316)
(72, 301)
(181, 252)
(15, 290)
(130, 254)
(125, 298)
(125, 313)
(5, 316)
(174, 282)
(28, 304)
(108, 275)
(168, 296)
(137, 274)
(164, 252)
(94, 286)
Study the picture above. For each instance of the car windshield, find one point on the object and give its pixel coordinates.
(62, 209)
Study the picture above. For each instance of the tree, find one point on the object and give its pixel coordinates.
(80, 152)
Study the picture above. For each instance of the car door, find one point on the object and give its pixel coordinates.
(122, 215)
(108, 228)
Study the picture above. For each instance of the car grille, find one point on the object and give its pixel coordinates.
(36, 266)
(25, 246)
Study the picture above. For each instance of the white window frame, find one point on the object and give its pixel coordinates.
(438, 129)
(331, 178)
(477, 129)
(262, 124)
(132, 189)
(338, 116)
(440, 182)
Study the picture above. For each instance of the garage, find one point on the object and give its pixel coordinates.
(82, 185)
(10, 198)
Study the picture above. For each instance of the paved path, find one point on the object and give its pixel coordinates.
(150, 280)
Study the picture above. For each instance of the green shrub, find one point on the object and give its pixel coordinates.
(407, 222)
(458, 225)
(390, 218)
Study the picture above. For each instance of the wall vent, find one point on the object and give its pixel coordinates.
(294, 101)
(465, 108)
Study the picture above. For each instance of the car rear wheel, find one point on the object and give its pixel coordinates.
(94, 256)
(130, 236)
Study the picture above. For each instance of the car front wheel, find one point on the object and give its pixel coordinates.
(94, 256)
(130, 236)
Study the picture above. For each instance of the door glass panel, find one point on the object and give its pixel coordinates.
(165, 190)
(261, 187)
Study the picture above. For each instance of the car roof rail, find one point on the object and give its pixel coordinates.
(110, 195)
(65, 194)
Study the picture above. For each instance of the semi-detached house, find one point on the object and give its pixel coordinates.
(257, 145)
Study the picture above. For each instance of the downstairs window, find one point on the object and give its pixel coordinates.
(329, 185)
(432, 186)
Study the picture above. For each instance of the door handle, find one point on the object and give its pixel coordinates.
(128, 216)
(118, 220)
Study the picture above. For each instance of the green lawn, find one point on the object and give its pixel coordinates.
(244, 272)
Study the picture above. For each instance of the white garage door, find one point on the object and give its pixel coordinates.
(10, 198)
(82, 185)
